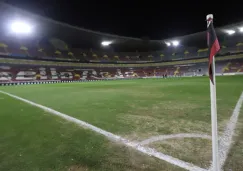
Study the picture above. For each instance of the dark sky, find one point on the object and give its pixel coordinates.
(144, 18)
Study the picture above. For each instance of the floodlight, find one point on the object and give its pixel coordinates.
(168, 43)
(21, 27)
(175, 43)
(230, 32)
(106, 43)
(241, 29)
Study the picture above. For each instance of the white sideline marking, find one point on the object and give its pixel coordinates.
(145, 150)
(225, 140)
(172, 136)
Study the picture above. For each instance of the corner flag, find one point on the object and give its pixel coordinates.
(213, 46)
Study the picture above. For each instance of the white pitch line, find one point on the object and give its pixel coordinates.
(226, 140)
(113, 137)
(172, 136)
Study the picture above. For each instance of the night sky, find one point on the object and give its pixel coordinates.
(153, 19)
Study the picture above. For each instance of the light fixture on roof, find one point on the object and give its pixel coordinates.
(175, 43)
(230, 32)
(106, 43)
(241, 29)
(21, 27)
(168, 43)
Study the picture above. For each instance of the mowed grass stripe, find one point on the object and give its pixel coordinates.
(32, 139)
(139, 109)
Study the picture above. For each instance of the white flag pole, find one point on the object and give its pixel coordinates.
(215, 157)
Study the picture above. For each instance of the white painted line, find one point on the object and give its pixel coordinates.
(134, 145)
(173, 136)
(226, 140)
(169, 159)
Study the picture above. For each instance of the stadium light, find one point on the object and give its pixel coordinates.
(168, 43)
(106, 43)
(230, 32)
(21, 27)
(175, 43)
(241, 29)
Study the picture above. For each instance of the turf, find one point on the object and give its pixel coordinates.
(33, 140)
(235, 157)
(138, 109)
(192, 150)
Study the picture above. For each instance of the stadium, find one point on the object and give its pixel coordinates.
(81, 100)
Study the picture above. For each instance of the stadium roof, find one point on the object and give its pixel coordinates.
(84, 38)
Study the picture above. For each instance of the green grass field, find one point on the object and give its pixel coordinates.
(33, 140)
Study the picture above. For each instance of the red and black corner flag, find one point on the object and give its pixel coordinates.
(213, 45)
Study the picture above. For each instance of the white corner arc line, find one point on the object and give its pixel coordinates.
(225, 141)
(113, 137)
(173, 136)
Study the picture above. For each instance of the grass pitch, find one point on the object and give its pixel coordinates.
(136, 109)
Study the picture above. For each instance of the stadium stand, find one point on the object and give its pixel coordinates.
(25, 72)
